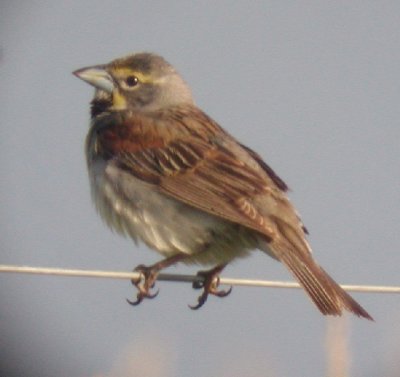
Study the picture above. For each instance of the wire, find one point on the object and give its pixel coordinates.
(181, 278)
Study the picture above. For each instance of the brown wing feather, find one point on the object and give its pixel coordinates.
(189, 157)
(271, 173)
(204, 177)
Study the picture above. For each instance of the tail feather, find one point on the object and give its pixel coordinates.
(327, 295)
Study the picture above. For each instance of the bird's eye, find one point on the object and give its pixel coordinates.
(131, 81)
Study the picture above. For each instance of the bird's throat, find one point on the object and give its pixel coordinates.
(118, 101)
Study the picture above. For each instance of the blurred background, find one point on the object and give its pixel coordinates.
(314, 87)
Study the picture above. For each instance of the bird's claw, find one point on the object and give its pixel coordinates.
(144, 283)
(142, 295)
(209, 284)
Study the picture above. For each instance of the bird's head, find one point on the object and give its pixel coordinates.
(139, 82)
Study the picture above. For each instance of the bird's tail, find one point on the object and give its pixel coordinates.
(327, 295)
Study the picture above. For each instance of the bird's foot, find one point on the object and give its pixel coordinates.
(148, 277)
(145, 282)
(209, 283)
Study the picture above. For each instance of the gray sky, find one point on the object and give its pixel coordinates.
(312, 86)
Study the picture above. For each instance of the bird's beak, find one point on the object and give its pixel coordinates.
(96, 76)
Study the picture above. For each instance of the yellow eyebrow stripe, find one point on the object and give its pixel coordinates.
(124, 72)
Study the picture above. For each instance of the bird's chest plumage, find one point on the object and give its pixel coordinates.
(136, 208)
(139, 209)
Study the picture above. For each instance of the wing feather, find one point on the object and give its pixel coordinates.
(203, 176)
(190, 158)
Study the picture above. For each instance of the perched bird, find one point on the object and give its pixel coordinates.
(164, 173)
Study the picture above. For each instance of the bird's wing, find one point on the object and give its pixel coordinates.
(196, 162)
(204, 176)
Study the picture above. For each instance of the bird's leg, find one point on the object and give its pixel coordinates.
(148, 277)
(209, 284)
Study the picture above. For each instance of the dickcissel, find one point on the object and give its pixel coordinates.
(164, 173)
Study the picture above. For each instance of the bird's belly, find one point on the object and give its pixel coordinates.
(136, 208)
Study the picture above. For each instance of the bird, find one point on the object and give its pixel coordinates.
(164, 173)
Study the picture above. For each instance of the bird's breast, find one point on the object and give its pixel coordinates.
(138, 209)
